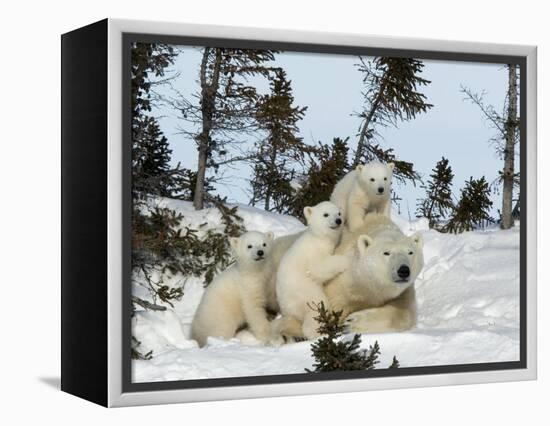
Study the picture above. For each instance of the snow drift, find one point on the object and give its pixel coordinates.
(468, 309)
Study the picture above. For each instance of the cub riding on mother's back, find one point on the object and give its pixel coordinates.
(362, 191)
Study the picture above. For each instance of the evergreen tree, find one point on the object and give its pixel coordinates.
(439, 198)
(151, 174)
(160, 244)
(331, 353)
(280, 150)
(472, 210)
(137, 354)
(391, 95)
(225, 112)
(507, 127)
(151, 155)
(327, 165)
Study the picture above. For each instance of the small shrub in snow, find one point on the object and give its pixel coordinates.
(332, 353)
(136, 354)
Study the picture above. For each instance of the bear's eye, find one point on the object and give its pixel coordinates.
(249, 246)
(411, 253)
(264, 244)
(372, 179)
(326, 215)
(386, 253)
(385, 178)
(339, 214)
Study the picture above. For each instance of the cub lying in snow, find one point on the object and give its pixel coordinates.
(305, 267)
(239, 294)
(364, 190)
(377, 290)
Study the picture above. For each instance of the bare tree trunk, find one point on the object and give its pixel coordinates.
(507, 220)
(208, 105)
(272, 166)
(362, 142)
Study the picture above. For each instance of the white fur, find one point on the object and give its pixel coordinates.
(239, 294)
(279, 247)
(364, 190)
(371, 291)
(305, 267)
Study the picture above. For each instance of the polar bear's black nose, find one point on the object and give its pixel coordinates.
(338, 221)
(260, 252)
(380, 190)
(403, 271)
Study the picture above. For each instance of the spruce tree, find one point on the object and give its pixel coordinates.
(327, 165)
(438, 201)
(160, 243)
(391, 95)
(282, 148)
(152, 173)
(224, 111)
(331, 353)
(151, 155)
(472, 209)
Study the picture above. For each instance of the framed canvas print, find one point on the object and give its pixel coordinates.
(251, 212)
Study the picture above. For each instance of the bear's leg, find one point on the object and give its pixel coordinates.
(225, 329)
(356, 209)
(373, 320)
(219, 320)
(288, 326)
(256, 318)
(329, 267)
(386, 209)
(396, 315)
(254, 301)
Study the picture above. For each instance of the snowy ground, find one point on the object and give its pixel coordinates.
(468, 310)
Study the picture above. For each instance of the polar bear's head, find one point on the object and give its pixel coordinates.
(375, 179)
(324, 219)
(392, 265)
(252, 246)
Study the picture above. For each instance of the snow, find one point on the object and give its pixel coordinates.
(468, 309)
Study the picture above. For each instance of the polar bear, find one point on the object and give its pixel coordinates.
(239, 294)
(305, 267)
(364, 190)
(376, 294)
(279, 247)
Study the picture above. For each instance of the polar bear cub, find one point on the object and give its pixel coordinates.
(238, 295)
(306, 266)
(364, 190)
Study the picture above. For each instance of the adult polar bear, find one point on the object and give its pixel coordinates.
(362, 191)
(376, 294)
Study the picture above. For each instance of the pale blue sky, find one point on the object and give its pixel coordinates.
(330, 86)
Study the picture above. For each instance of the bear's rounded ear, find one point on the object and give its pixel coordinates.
(234, 243)
(418, 239)
(270, 236)
(359, 168)
(308, 211)
(363, 242)
(391, 166)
